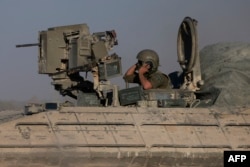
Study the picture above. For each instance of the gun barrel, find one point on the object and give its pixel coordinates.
(28, 45)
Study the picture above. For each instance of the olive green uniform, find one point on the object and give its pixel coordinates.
(157, 79)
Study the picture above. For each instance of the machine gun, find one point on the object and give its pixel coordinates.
(66, 51)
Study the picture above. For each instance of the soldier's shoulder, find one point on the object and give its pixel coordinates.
(158, 75)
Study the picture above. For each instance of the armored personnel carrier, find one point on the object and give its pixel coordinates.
(204, 114)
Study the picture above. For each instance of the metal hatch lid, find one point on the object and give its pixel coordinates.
(187, 47)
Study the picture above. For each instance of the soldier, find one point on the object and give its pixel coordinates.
(145, 72)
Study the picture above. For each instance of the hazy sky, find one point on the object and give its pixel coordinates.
(139, 24)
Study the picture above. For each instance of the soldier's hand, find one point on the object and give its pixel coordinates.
(144, 68)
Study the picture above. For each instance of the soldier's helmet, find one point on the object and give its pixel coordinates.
(150, 57)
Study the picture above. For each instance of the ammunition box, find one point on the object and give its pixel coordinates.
(130, 95)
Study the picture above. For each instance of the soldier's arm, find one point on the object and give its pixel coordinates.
(130, 71)
(146, 84)
(130, 75)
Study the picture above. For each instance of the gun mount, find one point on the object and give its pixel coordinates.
(66, 51)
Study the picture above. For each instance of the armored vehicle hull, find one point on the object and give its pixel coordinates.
(124, 136)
